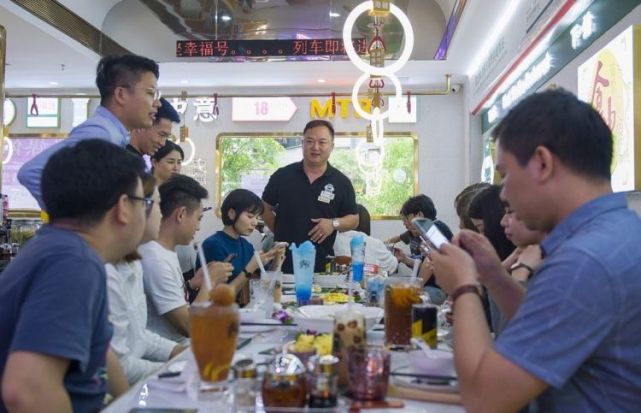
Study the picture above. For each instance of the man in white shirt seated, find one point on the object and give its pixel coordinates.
(376, 253)
(181, 208)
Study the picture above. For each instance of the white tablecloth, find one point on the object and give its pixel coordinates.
(147, 393)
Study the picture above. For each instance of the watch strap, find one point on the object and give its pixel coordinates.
(519, 264)
(464, 289)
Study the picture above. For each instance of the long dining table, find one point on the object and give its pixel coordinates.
(179, 393)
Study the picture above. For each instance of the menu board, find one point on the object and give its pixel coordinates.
(19, 151)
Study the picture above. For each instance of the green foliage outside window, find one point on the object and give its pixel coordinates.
(257, 157)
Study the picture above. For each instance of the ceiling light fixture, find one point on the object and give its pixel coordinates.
(334, 14)
(356, 59)
(321, 80)
(490, 41)
(371, 152)
(225, 18)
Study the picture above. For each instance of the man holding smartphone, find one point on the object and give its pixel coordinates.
(573, 344)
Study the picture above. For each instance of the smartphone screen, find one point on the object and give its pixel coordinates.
(429, 232)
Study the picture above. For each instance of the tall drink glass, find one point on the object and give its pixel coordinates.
(275, 279)
(214, 330)
(400, 294)
(304, 258)
(369, 367)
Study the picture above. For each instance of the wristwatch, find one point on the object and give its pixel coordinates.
(519, 264)
(335, 223)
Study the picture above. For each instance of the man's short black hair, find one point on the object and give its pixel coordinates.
(167, 149)
(319, 122)
(420, 203)
(572, 130)
(180, 191)
(84, 181)
(363, 220)
(125, 70)
(166, 111)
(240, 200)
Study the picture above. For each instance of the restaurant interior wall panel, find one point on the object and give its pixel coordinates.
(567, 77)
(441, 146)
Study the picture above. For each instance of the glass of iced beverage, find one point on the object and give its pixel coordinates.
(369, 367)
(400, 294)
(214, 330)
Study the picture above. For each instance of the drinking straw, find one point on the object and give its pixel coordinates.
(259, 262)
(415, 268)
(203, 265)
(350, 293)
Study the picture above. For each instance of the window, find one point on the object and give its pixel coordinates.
(247, 161)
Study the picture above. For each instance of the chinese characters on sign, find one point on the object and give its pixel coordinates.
(259, 48)
(607, 81)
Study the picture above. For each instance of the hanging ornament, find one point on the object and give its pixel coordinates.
(214, 110)
(34, 106)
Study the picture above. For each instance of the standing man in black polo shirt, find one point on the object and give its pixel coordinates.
(310, 200)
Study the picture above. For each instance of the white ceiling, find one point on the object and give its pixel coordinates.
(36, 54)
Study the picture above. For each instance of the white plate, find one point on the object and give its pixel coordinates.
(320, 318)
(251, 315)
(260, 329)
(439, 362)
(421, 384)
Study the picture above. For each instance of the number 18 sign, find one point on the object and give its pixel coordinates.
(262, 109)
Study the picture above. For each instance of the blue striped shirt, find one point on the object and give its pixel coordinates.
(579, 327)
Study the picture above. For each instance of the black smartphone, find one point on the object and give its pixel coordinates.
(230, 257)
(430, 232)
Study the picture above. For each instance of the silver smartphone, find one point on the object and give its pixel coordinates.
(430, 232)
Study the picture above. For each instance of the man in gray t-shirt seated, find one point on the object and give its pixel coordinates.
(573, 343)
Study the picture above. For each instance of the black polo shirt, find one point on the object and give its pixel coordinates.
(296, 202)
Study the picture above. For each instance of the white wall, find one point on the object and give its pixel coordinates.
(440, 127)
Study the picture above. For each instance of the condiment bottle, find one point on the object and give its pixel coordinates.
(245, 386)
(323, 381)
(285, 382)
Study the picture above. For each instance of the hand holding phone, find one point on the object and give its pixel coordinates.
(430, 232)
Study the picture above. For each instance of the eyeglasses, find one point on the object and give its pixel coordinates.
(147, 201)
(156, 93)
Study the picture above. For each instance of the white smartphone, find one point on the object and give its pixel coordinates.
(430, 232)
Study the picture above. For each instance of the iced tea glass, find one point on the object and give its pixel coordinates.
(400, 294)
(214, 330)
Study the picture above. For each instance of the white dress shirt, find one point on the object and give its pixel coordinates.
(139, 350)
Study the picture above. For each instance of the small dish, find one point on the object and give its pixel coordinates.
(251, 315)
(437, 362)
(445, 386)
